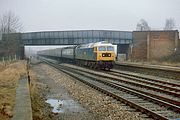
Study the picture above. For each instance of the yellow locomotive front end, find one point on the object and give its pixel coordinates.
(105, 56)
(105, 53)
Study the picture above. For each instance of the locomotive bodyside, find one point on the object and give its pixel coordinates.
(85, 54)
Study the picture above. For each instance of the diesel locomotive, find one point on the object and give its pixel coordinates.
(99, 55)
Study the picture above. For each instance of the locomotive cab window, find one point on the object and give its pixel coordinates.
(110, 48)
(102, 48)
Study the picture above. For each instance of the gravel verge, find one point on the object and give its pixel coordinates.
(105, 107)
(45, 88)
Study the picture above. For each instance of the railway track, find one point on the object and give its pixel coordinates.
(143, 88)
(136, 98)
(157, 70)
(171, 90)
(148, 77)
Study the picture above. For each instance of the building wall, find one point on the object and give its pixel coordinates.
(162, 44)
(154, 45)
(139, 49)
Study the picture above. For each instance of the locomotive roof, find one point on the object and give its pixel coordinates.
(90, 45)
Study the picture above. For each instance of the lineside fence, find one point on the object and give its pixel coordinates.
(6, 60)
(9, 58)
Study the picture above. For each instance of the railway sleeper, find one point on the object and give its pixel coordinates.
(139, 101)
(147, 103)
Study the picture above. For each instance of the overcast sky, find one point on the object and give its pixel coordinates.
(56, 15)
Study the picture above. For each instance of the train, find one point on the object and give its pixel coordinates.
(98, 55)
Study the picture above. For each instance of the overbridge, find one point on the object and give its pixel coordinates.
(76, 37)
(121, 38)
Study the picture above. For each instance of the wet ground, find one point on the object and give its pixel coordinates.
(64, 106)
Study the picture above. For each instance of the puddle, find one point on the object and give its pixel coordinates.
(56, 104)
(62, 106)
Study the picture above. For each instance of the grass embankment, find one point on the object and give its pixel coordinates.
(9, 76)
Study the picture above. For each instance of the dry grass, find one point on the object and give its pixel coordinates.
(2, 66)
(9, 76)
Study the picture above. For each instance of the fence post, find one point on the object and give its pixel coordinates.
(15, 57)
(9, 58)
(3, 61)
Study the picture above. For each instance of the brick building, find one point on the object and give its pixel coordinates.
(154, 45)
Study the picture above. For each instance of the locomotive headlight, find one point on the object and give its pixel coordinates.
(103, 55)
(109, 55)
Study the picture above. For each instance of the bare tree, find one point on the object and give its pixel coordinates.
(142, 25)
(170, 24)
(9, 23)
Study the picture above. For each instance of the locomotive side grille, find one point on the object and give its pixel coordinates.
(106, 54)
